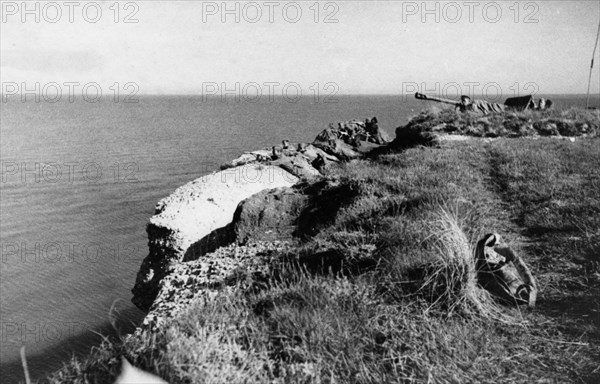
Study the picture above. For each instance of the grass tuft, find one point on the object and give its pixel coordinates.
(451, 281)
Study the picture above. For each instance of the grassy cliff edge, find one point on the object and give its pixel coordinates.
(349, 300)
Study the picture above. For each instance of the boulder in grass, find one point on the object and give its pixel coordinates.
(269, 215)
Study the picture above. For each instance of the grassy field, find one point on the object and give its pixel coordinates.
(378, 294)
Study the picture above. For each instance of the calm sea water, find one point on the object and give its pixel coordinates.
(80, 181)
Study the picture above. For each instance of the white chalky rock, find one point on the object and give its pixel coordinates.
(192, 213)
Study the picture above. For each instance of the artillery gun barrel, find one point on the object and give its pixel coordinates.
(421, 96)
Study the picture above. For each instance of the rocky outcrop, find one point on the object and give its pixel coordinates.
(269, 215)
(342, 142)
(198, 217)
(193, 220)
(264, 226)
(228, 266)
(290, 214)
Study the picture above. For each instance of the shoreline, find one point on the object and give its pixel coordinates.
(187, 277)
(165, 175)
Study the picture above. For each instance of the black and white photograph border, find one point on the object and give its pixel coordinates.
(309, 191)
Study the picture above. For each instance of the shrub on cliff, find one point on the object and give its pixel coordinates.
(570, 122)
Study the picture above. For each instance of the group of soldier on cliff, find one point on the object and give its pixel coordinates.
(481, 106)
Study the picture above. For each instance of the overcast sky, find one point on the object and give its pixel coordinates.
(360, 46)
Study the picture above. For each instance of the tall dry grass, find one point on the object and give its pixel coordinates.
(451, 281)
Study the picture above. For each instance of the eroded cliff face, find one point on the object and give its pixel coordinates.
(200, 280)
(197, 220)
(266, 227)
(194, 220)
